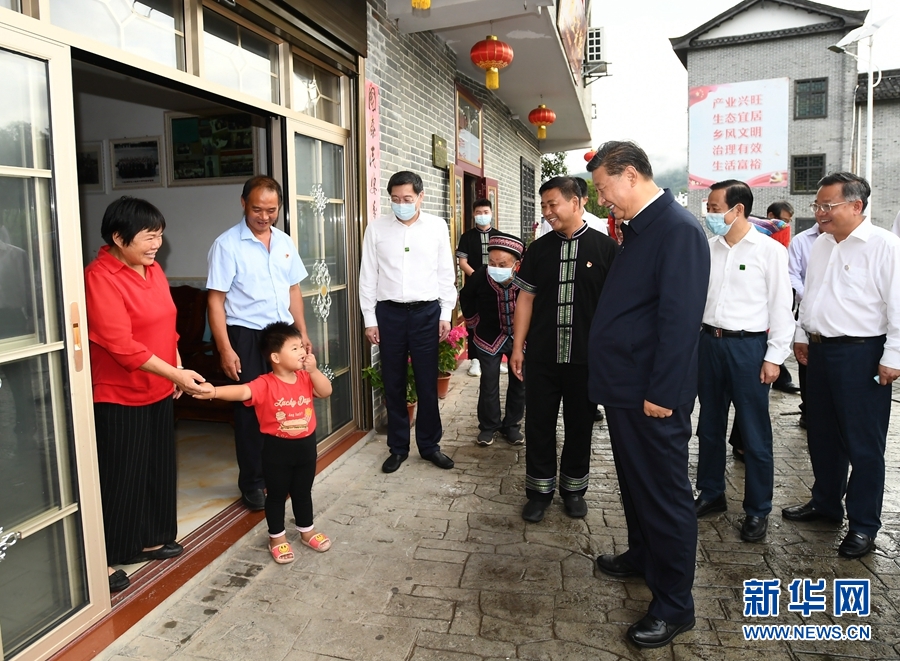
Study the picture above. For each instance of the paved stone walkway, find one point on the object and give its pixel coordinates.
(432, 565)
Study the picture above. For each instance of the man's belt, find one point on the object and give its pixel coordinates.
(721, 332)
(816, 338)
(412, 305)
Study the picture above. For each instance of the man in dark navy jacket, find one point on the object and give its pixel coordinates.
(648, 322)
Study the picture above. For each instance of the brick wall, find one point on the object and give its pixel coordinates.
(885, 160)
(417, 76)
(798, 58)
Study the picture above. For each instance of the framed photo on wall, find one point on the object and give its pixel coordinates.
(135, 162)
(89, 163)
(210, 149)
(468, 128)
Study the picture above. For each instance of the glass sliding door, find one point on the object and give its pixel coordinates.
(49, 577)
(318, 199)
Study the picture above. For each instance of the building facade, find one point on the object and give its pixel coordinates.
(756, 41)
(179, 102)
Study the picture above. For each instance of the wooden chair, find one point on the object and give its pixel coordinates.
(200, 356)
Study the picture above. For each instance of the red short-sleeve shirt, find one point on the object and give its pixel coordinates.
(283, 409)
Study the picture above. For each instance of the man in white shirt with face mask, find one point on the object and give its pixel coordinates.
(746, 335)
(407, 294)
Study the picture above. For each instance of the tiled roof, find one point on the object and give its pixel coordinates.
(887, 89)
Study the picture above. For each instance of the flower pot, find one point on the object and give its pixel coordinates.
(443, 385)
(411, 410)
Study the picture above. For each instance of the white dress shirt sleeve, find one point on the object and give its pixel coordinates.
(796, 261)
(446, 276)
(781, 321)
(887, 279)
(368, 278)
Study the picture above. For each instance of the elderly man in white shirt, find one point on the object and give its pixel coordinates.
(848, 335)
(746, 334)
(407, 293)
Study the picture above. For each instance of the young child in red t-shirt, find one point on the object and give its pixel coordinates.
(283, 403)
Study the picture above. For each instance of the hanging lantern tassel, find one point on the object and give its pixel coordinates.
(491, 54)
(542, 117)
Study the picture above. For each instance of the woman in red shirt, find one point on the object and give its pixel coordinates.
(134, 364)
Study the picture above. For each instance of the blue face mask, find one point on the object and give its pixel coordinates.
(483, 220)
(716, 224)
(404, 211)
(499, 274)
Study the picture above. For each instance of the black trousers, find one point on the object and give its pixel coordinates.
(651, 456)
(847, 426)
(489, 394)
(410, 333)
(248, 440)
(546, 385)
(136, 458)
(289, 466)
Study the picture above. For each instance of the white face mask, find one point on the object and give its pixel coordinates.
(499, 274)
(483, 220)
(404, 211)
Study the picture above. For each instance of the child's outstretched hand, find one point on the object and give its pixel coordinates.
(207, 390)
(309, 362)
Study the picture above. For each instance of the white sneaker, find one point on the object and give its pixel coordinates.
(504, 369)
(474, 368)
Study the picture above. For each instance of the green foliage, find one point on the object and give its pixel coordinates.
(373, 376)
(592, 205)
(553, 165)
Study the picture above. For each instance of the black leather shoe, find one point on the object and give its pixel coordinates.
(440, 460)
(254, 500)
(616, 565)
(393, 462)
(754, 528)
(790, 387)
(704, 507)
(652, 632)
(164, 552)
(118, 581)
(533, 512)
(738, 455)
(856, 545)
(598, 414)
(805, 512)
(575, 506)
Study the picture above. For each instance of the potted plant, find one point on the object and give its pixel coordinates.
(373, 376)
(448, 350)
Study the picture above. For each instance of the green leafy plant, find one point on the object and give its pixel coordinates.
(373, 376)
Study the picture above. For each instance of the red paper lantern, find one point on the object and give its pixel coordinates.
(588, 155)
(421, 5)
(542, 117)
(491, 54)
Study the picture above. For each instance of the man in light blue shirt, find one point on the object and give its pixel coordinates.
(254, 280)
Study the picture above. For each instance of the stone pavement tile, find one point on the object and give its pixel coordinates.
(405, 605)
(493, 628)
(611, 639)
(588, 606)
(423, 572)
(276, 597)
(246, 636)
(631, 612)
(513, 574)
(577, 542)
(771, 651)
(534, 550)
(417, 623)
(494, 538)
(412, 521)
(423, 654)
(524, 609)
(441, 555)
(347, 565)
(465, 645)
(174, 631)
(356, 642)
(457, 545)
(558, 650)
(473, 503)
(147, 648)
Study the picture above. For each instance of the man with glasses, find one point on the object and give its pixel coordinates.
(848, 336)
(407, 293)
